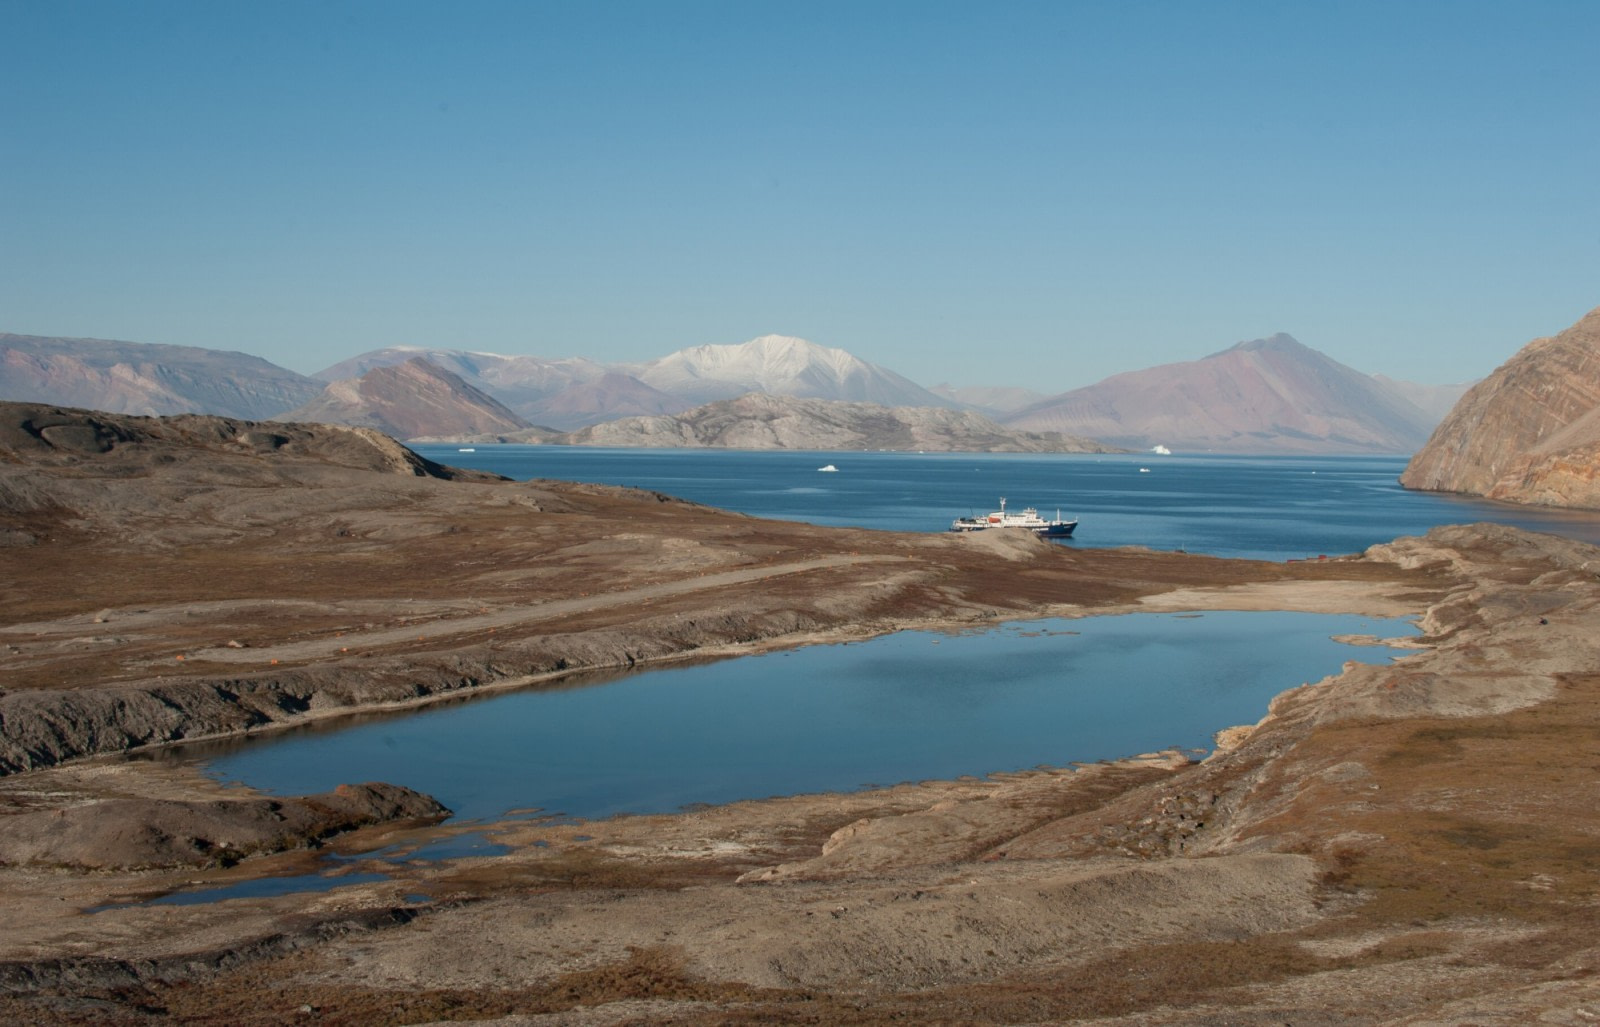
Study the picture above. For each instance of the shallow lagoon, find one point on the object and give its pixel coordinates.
(909, 706)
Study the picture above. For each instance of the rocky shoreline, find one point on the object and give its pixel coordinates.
(1402, 844)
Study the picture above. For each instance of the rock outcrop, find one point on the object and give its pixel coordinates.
(139, 833)
(761, 421)
(1529, 433)
(42, 436)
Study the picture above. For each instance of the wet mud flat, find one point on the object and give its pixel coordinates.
(1409, 843)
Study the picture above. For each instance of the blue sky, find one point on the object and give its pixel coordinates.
(1036, 194)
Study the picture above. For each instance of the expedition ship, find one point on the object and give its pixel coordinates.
(1029, 518)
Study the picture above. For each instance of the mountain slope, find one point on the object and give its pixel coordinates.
(610, 396)
(525, 384)
(408, 401)
(781, 366)
(1268, 395)
(994, 400)
(1434, 400)
(1528, 433)
(760, 421)
(146, 379)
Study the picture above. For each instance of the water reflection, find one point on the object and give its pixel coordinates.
(909, 706)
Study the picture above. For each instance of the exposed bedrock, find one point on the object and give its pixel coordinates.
(123, 834)
(42, 728)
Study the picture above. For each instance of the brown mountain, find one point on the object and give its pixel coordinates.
(761, 421)
(410, 400)
(1266, 396)
(1528, 433)
(144, 378)
(525, 384)
(611, 396)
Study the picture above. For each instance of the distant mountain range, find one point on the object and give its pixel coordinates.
(573, 393)
(146, 379)
(1528, 433)
(1270, 395)
(1267, 395)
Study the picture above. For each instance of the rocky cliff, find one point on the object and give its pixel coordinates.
(1529, 433)
(760, 421)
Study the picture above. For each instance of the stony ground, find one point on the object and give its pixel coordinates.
(1410, 844)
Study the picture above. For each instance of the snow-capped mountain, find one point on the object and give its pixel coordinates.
(575, 391)
(779, 365)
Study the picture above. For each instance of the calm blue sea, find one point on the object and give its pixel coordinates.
(1272, 508)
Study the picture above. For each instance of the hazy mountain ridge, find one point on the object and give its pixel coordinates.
(762, 421)
(1434, 400)
(1269, 395)
(1528, 433)
(147, 379)
(1264, 395)
(574, 392)
(409, 400)
(993, 400)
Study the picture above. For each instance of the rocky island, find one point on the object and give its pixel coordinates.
(1412, 843)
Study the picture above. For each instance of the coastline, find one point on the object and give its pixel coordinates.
(1406, 843)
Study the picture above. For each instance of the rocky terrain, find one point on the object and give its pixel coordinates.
(1405, 844)
(143, 378)
(1269, 395)
(408, 401)
(760, 421)
(1529, 433)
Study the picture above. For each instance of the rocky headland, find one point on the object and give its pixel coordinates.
(761, 421)
(1405, 844)
(1528, 433)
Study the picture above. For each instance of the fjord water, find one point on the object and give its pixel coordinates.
(913, 705)
(910, 706)
(1269, 508)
